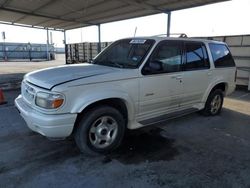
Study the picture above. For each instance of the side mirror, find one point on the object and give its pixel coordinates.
(153, 67)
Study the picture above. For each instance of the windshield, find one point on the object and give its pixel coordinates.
(126, 53)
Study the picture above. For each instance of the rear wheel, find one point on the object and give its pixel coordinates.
(100, 130)
(214, 103)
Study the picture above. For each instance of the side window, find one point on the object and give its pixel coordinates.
(166, 58)
(221, 55)
(196, 56)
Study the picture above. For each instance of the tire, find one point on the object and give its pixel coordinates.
(100, 130)
(214, 103)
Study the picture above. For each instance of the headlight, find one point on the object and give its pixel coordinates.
(49, 100)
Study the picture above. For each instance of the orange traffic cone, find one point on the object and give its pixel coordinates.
(2, 100)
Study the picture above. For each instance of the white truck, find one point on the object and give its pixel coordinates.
(133, 83)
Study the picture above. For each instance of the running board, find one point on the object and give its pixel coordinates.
(166, 117)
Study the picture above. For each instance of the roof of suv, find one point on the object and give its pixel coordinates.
(159, 38)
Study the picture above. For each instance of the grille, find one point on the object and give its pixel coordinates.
(28, 92)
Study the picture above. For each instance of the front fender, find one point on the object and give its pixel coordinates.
(90, 97)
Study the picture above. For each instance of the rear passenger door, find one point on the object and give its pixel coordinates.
(196, 73)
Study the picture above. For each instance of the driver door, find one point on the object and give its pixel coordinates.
(161, 86)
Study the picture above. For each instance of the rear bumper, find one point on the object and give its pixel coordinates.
(230, 89)
(53, 126)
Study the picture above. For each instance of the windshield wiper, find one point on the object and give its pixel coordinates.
(116, 64)
(129, 66)
(109, 63)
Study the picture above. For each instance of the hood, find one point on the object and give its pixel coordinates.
(50, 77)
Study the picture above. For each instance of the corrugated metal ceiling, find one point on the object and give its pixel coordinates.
(69, 14)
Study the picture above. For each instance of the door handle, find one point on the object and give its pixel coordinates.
(177, 77)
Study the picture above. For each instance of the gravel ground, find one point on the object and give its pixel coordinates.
(192, 151)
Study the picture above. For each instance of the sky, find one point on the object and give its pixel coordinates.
(227, 18)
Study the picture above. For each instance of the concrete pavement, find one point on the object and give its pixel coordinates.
(11, 73)
(192, 151)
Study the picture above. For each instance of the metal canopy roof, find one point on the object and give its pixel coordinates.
(69, 14)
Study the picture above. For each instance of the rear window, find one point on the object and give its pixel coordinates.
(221, 55)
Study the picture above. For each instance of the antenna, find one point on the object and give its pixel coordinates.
(135, 31)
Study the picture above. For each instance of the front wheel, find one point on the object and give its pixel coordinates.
(100, 130)
(214, 103)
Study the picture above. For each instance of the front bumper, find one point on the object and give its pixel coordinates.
(53, 126)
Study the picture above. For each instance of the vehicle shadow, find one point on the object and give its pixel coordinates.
(144, 145)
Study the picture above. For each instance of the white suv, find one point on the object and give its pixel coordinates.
(133, 83)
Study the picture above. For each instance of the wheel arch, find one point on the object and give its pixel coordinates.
(118, 103)
(222, 85)
(219, 85)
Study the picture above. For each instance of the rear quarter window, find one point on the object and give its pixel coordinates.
(221, 55)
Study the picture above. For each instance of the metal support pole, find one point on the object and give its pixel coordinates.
(4, 46)
(169, 24)
(4, 51)
(47, 45)
(99, 38)
(29, 48)
(65, 47)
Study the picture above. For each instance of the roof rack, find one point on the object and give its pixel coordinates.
(180, 35)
